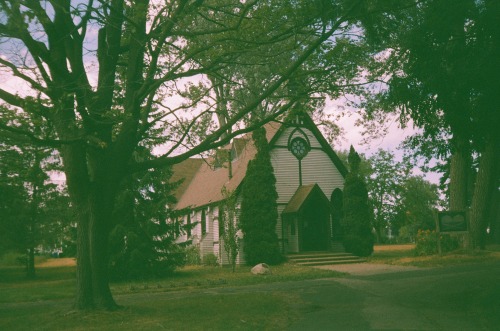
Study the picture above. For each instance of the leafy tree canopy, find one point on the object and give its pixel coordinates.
(183, 77)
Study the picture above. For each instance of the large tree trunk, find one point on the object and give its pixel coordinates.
(92, 260)
(92, 186)
(100, 227)
(459, 171)
(92, 270)
(84, 297)
(495, 215)
(482, 193)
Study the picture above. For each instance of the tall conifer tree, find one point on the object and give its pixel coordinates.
(259, 212)
(356, 223)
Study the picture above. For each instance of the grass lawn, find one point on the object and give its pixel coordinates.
(247, 311)
(183, 301)
(44, 303)
(404, 255)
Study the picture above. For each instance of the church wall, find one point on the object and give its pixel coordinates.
(316, 166)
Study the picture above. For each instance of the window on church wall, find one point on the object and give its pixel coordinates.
(177, 228)
(203, 222)
(188, 223)
(221, 220)
(292, 227)
(299, 147)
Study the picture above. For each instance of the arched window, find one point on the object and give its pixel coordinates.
(221, 220)
(188, 227)
(203, 222)
(336, 202)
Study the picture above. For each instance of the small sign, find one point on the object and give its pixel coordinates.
(452, 221)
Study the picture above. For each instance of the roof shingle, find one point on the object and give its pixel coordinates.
(205, 186)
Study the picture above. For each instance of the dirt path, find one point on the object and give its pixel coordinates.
(403, 247)
(60, 262)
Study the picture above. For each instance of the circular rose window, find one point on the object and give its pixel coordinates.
(299, 147)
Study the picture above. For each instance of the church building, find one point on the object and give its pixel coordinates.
(309, 182)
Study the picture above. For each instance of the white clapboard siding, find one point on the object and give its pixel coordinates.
(207, 241)
(286, 171)
(317, 167)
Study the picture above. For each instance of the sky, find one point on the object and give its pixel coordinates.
(391, 141)
(352, 133)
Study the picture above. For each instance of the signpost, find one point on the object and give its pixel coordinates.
(451, 222)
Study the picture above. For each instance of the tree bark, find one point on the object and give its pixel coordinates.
(30, 263)
(459, 170)
(92, 181)
(495, 216)
(84, 297)
(93, 290)
(482, 192)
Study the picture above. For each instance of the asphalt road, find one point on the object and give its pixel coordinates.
(452, 298)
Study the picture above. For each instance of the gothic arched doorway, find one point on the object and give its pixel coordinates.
(336, 203)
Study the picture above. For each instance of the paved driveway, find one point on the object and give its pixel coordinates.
(463, 297)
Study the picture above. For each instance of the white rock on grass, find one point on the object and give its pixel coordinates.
(261, 269)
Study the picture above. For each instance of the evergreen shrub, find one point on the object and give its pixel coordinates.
(358, 216)
(259, 210)
(210, 260)
(427, 243)
(192, 255)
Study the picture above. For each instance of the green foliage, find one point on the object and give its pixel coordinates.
(356, 223)
(210, 260)
(229, 227)
(441, 57)
(385, 186)
(401, 202)
(427, 243)
(259, 212)
(415, 211)
(192, 254)
(142, 243)
(150, 54)
(34, 211)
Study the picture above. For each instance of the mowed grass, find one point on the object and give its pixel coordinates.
(185, 300)
(405, 255)
(55, 282)
(240, 311)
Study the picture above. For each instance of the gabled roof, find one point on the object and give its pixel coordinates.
(184, 172)
(300, 196)
(205, 186)
(309, 123)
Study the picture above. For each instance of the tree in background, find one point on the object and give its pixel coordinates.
(358, 215)
(13, 200)
(259, 210)
(142, 241)
(229, 227)
(384, 189)
(416, 208)
(36, 213)
(113, 76)
(440, 58)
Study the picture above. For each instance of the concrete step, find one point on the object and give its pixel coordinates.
(350, 261)
(337, 247)
(316, 255)
(323, 258)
